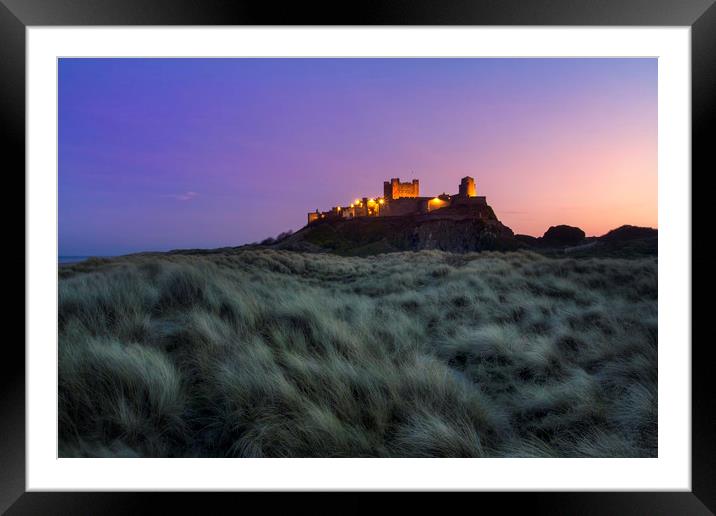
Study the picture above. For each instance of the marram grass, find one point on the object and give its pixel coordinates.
(264, 353)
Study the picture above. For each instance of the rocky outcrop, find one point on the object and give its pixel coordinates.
(462, 236)
(455, 229)
(563, 235)
(626, 233)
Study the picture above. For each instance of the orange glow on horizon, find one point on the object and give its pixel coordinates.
(594, 187)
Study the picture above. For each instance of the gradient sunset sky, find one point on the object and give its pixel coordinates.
(158, 154)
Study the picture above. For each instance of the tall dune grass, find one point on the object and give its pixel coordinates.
(264, 353)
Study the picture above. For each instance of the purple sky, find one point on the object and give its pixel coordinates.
(158, 154)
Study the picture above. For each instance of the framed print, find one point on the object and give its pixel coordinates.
(416, 249)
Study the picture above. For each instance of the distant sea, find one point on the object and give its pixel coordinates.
(75, 259)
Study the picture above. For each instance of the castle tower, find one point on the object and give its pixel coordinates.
(467, 187)
(395, 189)
(313, 216)
(387, 191)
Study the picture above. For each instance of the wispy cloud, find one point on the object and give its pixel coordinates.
(186, 196)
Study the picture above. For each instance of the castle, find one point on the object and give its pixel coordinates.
(403, 199)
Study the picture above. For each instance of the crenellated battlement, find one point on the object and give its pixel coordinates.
(394, 189)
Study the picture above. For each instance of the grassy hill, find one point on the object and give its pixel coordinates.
(255, 353)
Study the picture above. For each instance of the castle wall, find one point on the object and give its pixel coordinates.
(469, 201)
(436, 203)
(404, 206)
(349, 212)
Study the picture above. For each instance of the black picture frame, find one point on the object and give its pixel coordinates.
(17, 15)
